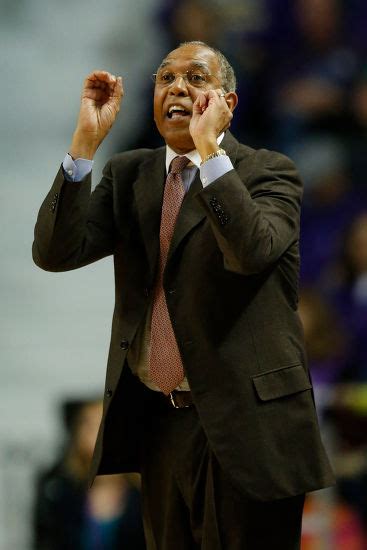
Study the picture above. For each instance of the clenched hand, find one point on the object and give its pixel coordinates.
(100, 103)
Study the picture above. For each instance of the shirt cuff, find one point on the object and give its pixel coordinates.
(214, 168)
(76, 170)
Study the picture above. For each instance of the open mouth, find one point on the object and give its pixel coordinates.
(177, 112)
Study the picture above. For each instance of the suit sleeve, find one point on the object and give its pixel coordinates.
(75, 227)
(254, 211)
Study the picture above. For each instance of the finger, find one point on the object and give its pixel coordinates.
(213, 98)
(102, 75)
(116, 94)
(204, 96)
(220, 92)
(111, 85)
(96, 94)
(214, 95)
(115, 88)
(112, 88)
(203, 101)
(118, 89)
(99, 79)
(197, 105)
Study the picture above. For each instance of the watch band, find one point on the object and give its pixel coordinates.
(213, 155)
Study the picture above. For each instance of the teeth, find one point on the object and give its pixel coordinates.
(176, 108)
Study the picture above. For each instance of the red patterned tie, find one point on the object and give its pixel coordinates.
(165, 364)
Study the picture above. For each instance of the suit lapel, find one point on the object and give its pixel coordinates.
(191, 212)
(148, 191)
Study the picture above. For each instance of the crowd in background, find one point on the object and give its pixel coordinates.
(301, 67)
(68, 514)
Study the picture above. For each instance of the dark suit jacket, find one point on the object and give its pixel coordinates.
(231, 283)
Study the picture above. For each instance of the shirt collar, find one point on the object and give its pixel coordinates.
(193, 155)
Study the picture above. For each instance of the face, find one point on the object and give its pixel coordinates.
(174, 127)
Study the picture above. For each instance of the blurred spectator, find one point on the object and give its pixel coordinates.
(67, 515)
(353, 268)
(325, 341)
(346, 287)
(349, 415)
(335, 520)
(310, 84)
(330, 202)
(356, 138)
(359, 98)
(186, 20)
(325, 345)
(295, 62)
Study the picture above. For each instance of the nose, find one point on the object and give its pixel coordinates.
(179, 86)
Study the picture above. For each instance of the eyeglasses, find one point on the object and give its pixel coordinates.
(195, 78)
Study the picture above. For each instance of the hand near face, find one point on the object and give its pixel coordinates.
(100, 103)
(211, 115)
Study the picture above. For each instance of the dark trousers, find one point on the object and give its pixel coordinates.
(188, 504)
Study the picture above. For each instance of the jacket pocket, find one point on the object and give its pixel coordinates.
(281, 382)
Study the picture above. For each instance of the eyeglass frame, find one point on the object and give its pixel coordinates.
(184, 76)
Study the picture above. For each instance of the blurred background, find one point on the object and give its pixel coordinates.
(302, 82)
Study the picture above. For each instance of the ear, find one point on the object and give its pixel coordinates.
(231, 100)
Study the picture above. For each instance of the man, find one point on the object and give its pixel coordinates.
(207, 392)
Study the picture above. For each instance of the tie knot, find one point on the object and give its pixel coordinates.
(178, 164)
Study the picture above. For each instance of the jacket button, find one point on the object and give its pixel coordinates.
(54, 202)
(109, 392)
(124, 344)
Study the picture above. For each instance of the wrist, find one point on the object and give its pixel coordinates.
(206, 146)
(83, 146)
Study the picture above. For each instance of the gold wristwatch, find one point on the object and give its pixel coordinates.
(213, 155)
